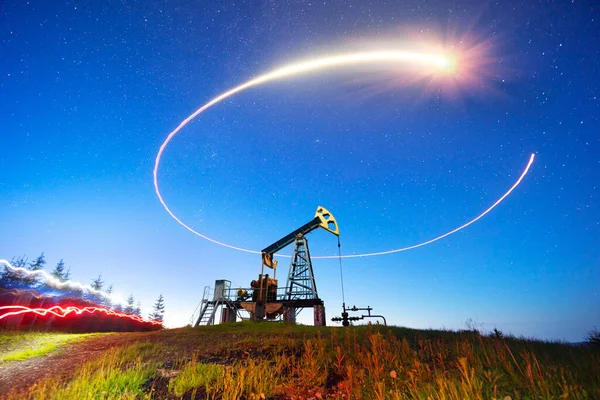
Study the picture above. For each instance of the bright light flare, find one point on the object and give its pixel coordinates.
(450, 65)
(425, 62)
(471, 70)
(63, 312)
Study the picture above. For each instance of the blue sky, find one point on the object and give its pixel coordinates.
(88, 92)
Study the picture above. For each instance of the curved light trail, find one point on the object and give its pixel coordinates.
(63, 312)
(477, 218)
(432, 61)
(58, 284)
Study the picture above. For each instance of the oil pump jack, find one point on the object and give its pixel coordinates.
(301, 288)
(264, 300)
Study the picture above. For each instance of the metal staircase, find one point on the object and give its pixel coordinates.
(208, 309)
(207, 314)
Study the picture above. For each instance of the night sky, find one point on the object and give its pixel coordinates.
(90, 90)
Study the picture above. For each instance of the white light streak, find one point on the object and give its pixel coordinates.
(58, 284)
(437, 62)
(477, 218)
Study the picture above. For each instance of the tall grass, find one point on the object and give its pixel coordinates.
(195, 375)
(396, 363)
(119, 374)
(261, 361)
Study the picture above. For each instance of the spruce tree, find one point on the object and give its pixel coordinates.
(138, 309)
(11, 278)
(159, 309)
(107, 299)
(20, 262)
(97, 283)
(36, 265)
(129, 309)
(60, 272)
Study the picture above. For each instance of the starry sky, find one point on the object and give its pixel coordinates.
(89, 90)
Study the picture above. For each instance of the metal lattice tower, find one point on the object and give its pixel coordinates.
(301, 279)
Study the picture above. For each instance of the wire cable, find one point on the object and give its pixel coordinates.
(341, 271)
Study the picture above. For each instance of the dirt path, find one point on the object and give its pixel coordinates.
(61, 363)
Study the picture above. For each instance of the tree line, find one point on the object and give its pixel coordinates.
(10, 279)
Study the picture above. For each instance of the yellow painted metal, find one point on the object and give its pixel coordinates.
(328, 221)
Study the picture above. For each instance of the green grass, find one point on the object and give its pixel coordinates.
(194, 376)
(19, 347)
(255, 361)
(378, 362)
(119, 373)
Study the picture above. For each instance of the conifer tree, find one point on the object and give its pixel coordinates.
(138, 309)
(67, 274)
(97, 283)
(20, 262)
(60, 272)
(36, 265)
(11, 278)
(107, 299)
(159, 309)
(129, 307)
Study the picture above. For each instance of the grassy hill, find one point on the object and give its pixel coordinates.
(275, 361)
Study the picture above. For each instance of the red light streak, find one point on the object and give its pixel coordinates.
(62, 312)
